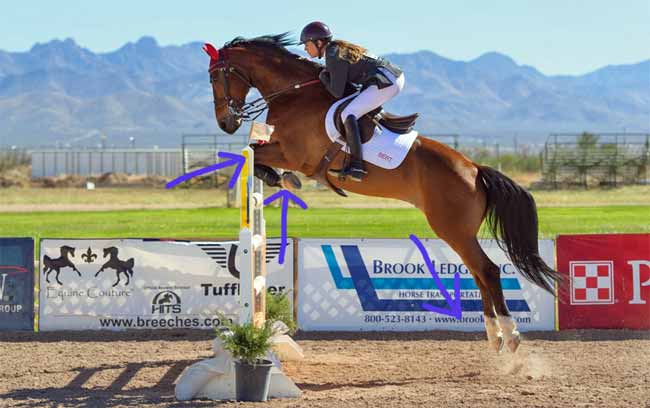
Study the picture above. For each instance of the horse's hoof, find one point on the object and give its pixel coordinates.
(513, 342)
(497, 344)
(290, 181)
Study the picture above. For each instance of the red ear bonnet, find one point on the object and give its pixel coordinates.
(211, 51)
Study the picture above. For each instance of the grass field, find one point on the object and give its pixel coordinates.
(76, 199)
(183, 213)
(316, 222)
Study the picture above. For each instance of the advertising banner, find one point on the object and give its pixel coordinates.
(145, 284)
(16, 284)
(606, 281)
(381, 284)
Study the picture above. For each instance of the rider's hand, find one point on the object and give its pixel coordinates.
(324, 76)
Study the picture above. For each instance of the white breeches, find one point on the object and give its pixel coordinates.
(373, 97)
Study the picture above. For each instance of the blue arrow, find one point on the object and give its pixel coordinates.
(454, 304)
(285, 195)
(233, 159)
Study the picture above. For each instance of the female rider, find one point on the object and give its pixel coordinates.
(345, 62)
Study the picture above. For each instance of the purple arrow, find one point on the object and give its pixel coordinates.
(285, 195)
(454, 304)
(233, 159)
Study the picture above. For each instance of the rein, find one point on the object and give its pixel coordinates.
(249, 111)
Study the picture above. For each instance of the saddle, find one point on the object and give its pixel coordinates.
(378, 117)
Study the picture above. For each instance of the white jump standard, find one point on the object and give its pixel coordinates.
(215, 378)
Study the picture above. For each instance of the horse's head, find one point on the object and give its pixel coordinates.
(263, 63)
(109, 250)
(230, 86)
(67, 250)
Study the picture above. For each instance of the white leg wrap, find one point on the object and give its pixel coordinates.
(510, 333)
(494, 335)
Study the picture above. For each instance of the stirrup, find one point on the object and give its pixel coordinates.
(355, 173)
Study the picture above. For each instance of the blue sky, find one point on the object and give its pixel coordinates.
(555, 36)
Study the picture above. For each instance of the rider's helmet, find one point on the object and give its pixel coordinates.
(315, 31)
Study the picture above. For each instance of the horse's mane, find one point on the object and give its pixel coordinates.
(276, 45)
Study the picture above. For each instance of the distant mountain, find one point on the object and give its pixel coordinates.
(59, 92)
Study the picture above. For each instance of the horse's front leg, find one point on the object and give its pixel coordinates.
(268, 156)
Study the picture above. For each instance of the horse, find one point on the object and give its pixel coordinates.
(120, 266)
(56, 264)
(455, 194)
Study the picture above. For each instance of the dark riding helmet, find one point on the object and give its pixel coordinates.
(315, 31)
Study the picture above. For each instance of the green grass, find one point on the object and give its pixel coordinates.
(67, 199)
(319, 222)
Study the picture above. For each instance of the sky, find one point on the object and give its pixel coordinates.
(557, 37)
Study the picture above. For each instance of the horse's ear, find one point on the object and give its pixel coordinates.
(211, 51)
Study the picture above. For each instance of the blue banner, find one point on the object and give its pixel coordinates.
(16, 284)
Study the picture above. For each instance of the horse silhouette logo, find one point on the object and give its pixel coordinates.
(120, 266)
(56, 264)
(166, 302)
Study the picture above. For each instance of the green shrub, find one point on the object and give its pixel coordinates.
(246, 342)
(278, 308)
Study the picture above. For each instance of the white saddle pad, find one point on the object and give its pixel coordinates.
(385, 149)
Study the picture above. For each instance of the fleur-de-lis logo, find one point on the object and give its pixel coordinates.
(88, 256)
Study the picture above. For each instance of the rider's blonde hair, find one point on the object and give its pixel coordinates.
(349, 51)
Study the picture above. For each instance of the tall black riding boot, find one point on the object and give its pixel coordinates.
(355, 167)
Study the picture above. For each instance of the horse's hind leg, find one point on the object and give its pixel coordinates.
(506, 322)
(479, 265)
(118, 279)
(444, 218)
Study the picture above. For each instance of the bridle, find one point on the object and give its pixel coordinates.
(248, 111)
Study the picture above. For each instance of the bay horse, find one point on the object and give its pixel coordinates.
(454, 193)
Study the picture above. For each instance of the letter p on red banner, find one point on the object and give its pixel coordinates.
(606, 281)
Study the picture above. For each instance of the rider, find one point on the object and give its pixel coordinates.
(346, 62)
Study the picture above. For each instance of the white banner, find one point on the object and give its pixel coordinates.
(144, 284)
(381, 284)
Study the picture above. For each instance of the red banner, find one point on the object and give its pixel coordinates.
(606, 281)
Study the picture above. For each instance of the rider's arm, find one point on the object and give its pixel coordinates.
(335, 77)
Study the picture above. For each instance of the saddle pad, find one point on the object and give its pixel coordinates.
(384, 149)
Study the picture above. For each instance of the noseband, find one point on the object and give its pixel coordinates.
(245, 111)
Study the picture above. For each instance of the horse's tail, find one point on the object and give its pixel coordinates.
(129, 263)
(511, 216)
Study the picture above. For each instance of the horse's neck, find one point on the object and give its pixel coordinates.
(270, 76)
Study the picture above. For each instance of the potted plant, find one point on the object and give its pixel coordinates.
(249, 345)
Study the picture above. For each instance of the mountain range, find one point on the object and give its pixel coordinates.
(61, 93)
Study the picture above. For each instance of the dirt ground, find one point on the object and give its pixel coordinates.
(604, 368)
